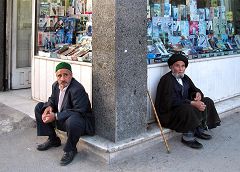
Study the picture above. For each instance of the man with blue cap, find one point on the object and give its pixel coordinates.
(68, 109)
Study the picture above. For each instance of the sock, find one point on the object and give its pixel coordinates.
(189, 136)
(52, 137)
(201, 130)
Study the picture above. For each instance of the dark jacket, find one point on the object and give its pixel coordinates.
(75, 102)
(169, 95)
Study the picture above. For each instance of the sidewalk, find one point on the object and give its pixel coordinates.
(221, 154)
(19, 141)
(20, 100)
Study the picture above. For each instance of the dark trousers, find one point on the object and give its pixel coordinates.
(212, 116)
(187, 118)
(74, 126)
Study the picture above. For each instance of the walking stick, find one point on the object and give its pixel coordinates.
(159, 124)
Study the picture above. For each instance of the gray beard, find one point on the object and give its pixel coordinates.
(176, 75)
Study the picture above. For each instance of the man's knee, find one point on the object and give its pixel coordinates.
(38, 110)
(208, 101)
(188, 107)
(75, 124)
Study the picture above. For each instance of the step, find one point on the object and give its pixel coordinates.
(110, 152)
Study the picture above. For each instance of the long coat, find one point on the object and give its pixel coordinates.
(174, 109)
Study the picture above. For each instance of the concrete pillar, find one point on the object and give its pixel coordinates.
(119, 68)
(2, 42)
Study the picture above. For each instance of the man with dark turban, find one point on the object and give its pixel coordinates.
(68, 109)
(182, 107)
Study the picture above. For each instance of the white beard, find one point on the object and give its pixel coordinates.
(177, 75)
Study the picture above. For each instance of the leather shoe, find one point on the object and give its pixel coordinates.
(192, 144)
(48, 144)
(67, 157)
(202, 135)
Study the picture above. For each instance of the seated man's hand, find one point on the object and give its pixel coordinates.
(47, 118)
(198, 97)
(199, 105)
(47, 115)
(47, 110)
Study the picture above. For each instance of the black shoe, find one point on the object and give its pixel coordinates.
(202, 135)
(192, 144)
(48, 144)
(67, 158)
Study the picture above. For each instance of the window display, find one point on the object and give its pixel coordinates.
(198, 28)
(64, 29)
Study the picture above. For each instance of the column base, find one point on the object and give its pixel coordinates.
(110, 152)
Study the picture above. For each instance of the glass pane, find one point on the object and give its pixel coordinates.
(24, 28)
(197, 28)
(64, 29)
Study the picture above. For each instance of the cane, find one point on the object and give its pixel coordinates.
(159, 124)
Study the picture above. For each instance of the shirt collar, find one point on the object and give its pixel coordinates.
(63, 90)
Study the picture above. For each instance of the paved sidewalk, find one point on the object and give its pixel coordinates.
(221, 154)
(20, 100)
(18, 145)
(11, 119)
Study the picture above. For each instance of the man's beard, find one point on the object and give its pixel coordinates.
(178, 75)
(63, 84)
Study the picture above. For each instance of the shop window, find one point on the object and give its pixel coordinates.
(197, 28)
(64, 29)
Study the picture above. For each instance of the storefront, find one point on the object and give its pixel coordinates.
(199, 29)
(62, 32)
(129, 58)
(206, 31)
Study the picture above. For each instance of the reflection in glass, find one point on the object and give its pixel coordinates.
(24, 25)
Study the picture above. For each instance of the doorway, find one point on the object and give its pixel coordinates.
(20, 48)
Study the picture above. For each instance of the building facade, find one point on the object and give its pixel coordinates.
(111, 62)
